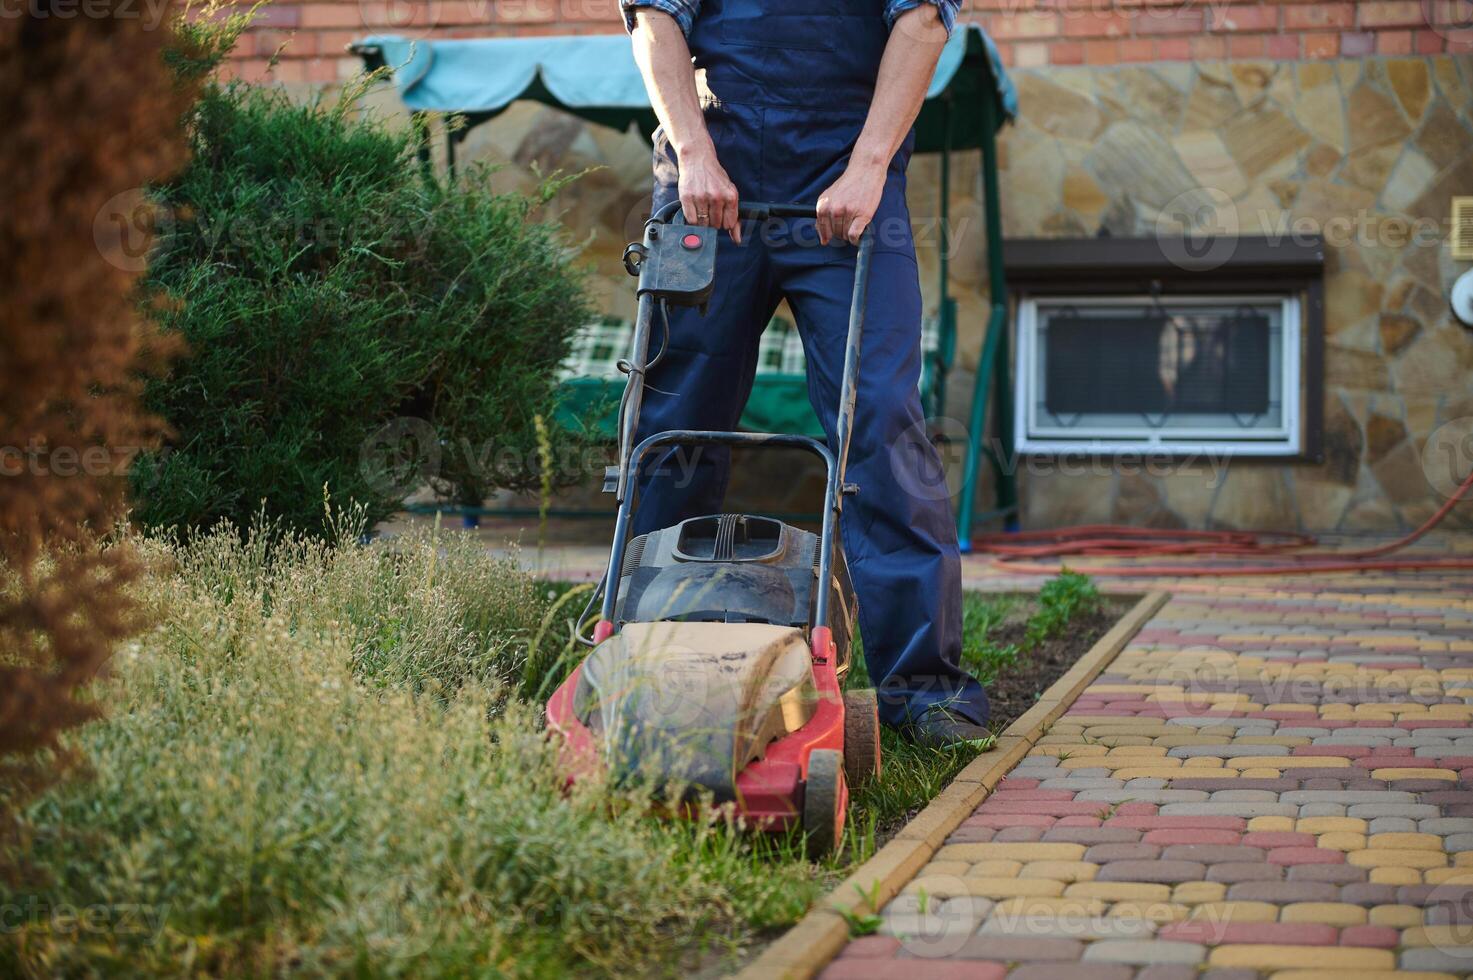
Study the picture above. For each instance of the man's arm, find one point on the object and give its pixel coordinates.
(707, 194)
(916, 40)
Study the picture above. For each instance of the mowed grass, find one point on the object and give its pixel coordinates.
(327, 759)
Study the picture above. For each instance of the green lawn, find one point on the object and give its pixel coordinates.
(325, 758)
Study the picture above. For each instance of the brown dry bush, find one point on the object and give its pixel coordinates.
(89, 113)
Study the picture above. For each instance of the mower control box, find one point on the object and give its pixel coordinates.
(677, 263)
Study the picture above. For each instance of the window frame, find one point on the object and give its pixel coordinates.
(1286, 267)
(1283, 440)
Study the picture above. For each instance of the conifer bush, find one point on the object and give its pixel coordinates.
(355, 324)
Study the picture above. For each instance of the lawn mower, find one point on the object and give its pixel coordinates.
(722, 642)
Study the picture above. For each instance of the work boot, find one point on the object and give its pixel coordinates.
(942, 728)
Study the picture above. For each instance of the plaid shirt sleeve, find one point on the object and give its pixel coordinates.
(946, 8)
(684, 11)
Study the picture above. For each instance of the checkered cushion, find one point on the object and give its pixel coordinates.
(598, 347)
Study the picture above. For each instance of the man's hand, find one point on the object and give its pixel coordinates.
(707, 195)
(848, 206)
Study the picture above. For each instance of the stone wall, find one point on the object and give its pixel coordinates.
(1367, 153)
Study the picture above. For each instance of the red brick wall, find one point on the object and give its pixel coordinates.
(1101, 32)
(310, 36)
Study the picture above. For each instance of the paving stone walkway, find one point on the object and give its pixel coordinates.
(1273, 779)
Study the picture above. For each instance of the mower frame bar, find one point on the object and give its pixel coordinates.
(835, 462)
(701, 437)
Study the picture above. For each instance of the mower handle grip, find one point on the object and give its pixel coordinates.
(672, 214)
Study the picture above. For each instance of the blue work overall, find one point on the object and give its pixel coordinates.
(786, 90)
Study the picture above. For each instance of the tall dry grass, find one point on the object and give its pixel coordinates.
(316, 762)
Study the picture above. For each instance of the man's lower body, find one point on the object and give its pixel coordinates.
(897, 531)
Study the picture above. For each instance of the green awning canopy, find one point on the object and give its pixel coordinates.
(595, 77)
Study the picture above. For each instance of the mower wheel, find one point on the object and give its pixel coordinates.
(823, 817)
(861, 736)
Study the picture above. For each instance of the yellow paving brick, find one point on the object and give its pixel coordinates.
(1202, 762)
(1176, 741)
(1440, 936)
(1329, 825)
(1103, 762)
(995, 868)
(1396, 916)
(1060, 870)
(1406, 773)
(1137, 750)
(1342, 841)
(1270, 824)
(1396, 858)
(1010, 852)
(1259, 773)
(1287, 762)
(1072, 750)
(1443, 876)
(1011, 887)
(1396, 876)
(1117, 727)
(1186, 772)
(944, 868)
(1119, 891)
(953, 886)
(1159, 912)
(1463, 859)
(1358, 975)
(1339, 914)
(1255, 956)
(1032, 905)
(1198, 892)
(1406, 841)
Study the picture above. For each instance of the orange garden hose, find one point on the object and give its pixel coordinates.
(1013, 551)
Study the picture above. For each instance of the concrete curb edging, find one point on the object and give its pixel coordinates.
(819, 936)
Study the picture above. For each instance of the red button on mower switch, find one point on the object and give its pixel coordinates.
(691, 241)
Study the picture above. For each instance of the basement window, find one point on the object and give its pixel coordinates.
(1193, 374)
(1131, 346)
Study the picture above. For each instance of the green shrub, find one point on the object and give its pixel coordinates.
(352, 321)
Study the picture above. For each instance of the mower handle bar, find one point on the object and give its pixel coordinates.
(673, 214)
(835, 462)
